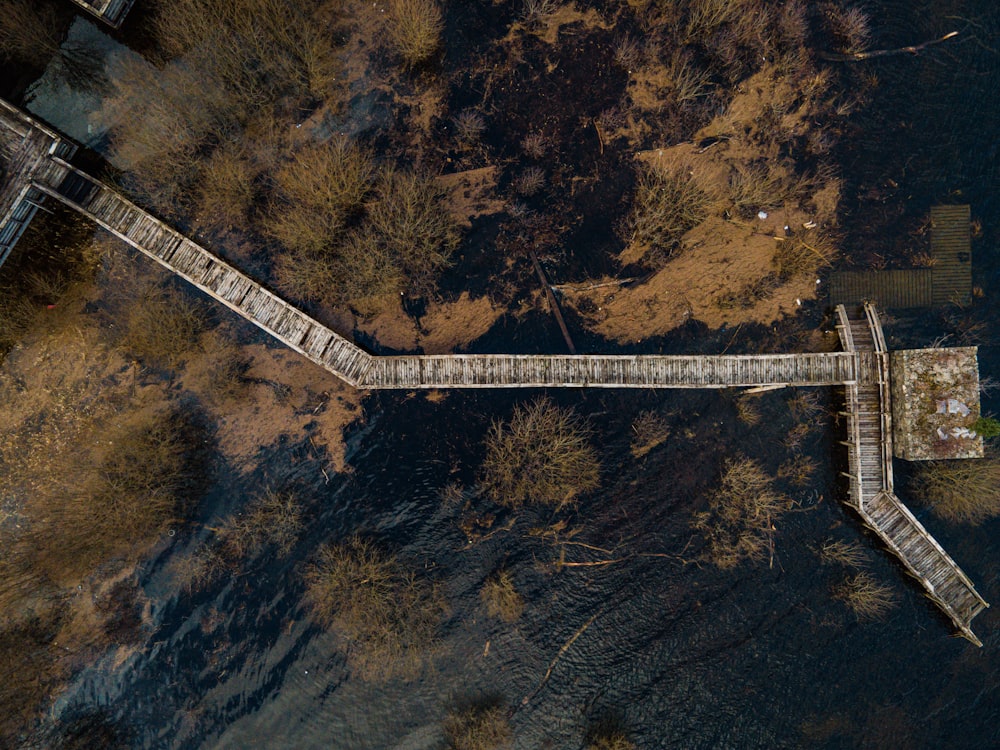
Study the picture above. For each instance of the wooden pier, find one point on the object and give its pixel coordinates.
(869, 444)
(863, 368)
(112, 12)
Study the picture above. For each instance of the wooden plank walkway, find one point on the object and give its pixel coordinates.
(204, 270)
(862, 368)
(112, 12)
(869, 444)
(951, 248)
(899, 289)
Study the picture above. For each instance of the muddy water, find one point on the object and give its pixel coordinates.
(680, 654)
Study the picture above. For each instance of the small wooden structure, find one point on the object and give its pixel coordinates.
(112, 12)
(948, 279)
(863, 368)
(25, 147)
(869, 444)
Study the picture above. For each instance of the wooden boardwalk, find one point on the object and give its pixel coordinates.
(869, 444)
(112, 12)
(951, 248)
(862, 368)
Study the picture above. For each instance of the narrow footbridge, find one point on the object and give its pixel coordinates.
(862, 368)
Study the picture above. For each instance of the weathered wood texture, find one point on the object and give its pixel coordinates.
(869, 444)
(112, 12)
(207, 272)
(951, 248)
(25, 145)
(891, 289)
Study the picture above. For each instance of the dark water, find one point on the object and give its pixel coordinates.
(681, 655)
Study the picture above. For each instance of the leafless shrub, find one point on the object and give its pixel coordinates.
(963, 490)
(318, 192)
(469, 126)
(541, 455)
(534, 12)
(668, 202)
(138, 486)
(500, 597)
(835, 551)
(706, 16)
(804, 253)
(804, 405)
(161, 326)
(628, 53)
(389, 615)
(798, 470)
(227, 187)
(740, 521)
(478, 727)
(850, 27)
(748, 409)
(614, 740)
(411, 223)
(866, 597)
(270, 520)
(225, 371)
(529, 181)
(688, 82)
(29, 32)
(535, 145)
(648, 431)
(415, 28)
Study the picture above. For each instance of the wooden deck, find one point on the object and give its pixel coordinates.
(869, 444)
(951, 248)
(112, 12)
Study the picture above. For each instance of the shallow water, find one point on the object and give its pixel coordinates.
(682, 655)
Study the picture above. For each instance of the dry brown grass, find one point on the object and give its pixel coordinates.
(866, 597)
(668, 202)
(161, 325)
(798, 470)
(541, 455)
(501, 599)
(271, 520)
(389, 615)
(839, 552)
(415, 28)
(805, 253)
(648, 431)
(743, 508)
(318, 192)
(29, 32)
(478, 727)
(962, 491)
(748, 409)
(615, 740)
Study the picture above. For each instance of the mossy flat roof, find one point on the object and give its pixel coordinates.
(935, 402)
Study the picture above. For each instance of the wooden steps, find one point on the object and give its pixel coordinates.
(869, 446)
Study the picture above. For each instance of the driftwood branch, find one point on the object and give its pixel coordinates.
(912, 50)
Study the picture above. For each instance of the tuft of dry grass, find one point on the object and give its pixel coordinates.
(501, 599)
(541, 455)
(962, 490)
(648, 431)
(866, 597)
(743, 508)
(668, 202)
(161, 324)
(748, 409)
(753, 187)
(614, 740)
(271, 520)
(839, 552)
(389, 616)
(478, 727)
(805, 253)
(798, 470)
(415, 28)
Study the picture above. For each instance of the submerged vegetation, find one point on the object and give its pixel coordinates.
(389, 617)
(541, 455)
(480, 726)
(739, 523)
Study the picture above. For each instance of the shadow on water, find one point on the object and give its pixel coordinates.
(681, 654)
